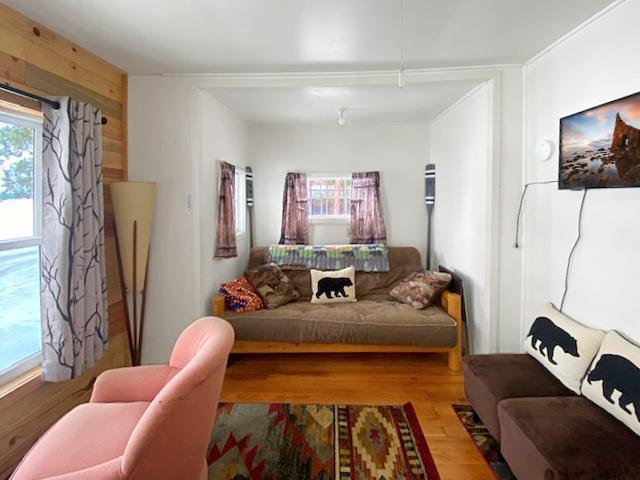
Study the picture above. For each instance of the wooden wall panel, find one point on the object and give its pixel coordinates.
(36, 59)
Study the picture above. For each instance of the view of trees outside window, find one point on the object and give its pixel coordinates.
(330, 196)
(19, 245)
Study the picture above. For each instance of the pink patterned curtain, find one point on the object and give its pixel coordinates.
(226, 229)
(295, 210)
(367, 224)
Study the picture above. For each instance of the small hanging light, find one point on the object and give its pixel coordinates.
(341, 120)
(401, 79)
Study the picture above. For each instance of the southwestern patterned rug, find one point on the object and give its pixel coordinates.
(484, 441)
(318, 442)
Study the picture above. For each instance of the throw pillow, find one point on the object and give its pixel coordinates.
(563, 346)
(333, 287)
(240, 296)
(272, 285)
(421, 289)
(613, 382)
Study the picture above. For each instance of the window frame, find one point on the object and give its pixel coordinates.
(240, 201)
(27, 364)
(327, 219)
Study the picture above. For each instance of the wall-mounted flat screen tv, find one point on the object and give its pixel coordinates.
(600, 147)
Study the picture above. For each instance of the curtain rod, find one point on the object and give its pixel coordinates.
(33, 96)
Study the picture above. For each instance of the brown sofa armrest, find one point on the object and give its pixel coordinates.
(452, 304)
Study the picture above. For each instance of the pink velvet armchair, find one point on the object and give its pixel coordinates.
(142, 423)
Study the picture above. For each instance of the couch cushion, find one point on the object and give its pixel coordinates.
(488, 379)
(334, 286)
(566, 438)
(564, 346)
(402, 262)
(90, 434)
(421, 289)
(372, 320)
(613, 381)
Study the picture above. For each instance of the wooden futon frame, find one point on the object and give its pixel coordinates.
(450, 302)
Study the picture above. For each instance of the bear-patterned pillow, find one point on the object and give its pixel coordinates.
(565, 347)
(613, 382)
(333, 287)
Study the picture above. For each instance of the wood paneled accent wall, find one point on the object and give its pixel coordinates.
(38, 60)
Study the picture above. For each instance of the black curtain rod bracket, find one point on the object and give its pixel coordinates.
(38, 98)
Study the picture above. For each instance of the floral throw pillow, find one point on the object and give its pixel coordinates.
(421, 289)
(272, 285)
(240, 296)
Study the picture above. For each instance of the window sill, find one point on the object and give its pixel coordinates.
(20, 386)
(329, 220)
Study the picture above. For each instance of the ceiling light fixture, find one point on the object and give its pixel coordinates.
(401, 72)
(341, 120)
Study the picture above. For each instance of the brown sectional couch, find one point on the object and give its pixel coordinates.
(546, 432)
(376, 322)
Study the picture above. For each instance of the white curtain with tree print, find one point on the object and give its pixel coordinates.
(73, 283)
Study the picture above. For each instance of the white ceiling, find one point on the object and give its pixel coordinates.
(415, 103)
(198, 36)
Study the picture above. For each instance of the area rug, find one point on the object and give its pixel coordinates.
(318, 442)
(484, 441)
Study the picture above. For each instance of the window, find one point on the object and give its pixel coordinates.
(20, 226)
(240, 189)
(329, 196)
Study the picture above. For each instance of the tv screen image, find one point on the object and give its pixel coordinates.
(600, 147)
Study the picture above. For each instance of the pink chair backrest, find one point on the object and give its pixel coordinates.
(172, 437)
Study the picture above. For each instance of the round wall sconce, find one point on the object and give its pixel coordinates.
(545, 150)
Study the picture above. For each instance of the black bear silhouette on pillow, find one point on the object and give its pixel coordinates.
(335, 286)
(551, 336)
(618, 373)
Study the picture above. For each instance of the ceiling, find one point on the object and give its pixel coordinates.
(238, 36)
(416, 103)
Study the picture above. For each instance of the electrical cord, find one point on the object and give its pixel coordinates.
(575, 244)
(573, 249)
(524, 192)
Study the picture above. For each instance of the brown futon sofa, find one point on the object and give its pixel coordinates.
(547, 432)
(375, 323)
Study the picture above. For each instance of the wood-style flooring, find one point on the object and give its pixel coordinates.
(377, 379)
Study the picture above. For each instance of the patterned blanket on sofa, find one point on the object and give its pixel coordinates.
(365, 258)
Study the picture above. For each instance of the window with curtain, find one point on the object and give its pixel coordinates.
(329, 196)
(20, 240)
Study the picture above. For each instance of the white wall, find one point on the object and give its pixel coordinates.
(223, 137)
(460, 149)
(596, 64)
(176, 133)
(399, 152)
(160, 150)
(509, 268)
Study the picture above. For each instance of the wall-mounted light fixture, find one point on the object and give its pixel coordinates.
(545, 150)
(341, 120)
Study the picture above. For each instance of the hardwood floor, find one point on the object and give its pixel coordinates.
(422, 379)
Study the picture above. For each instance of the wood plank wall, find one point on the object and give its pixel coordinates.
(38, 60)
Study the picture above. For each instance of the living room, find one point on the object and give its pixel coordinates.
(443, 164)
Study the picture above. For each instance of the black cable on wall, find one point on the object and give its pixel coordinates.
(573, 250)
(524, 192)
(575, 244)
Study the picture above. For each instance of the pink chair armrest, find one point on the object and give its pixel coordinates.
(130, 384)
